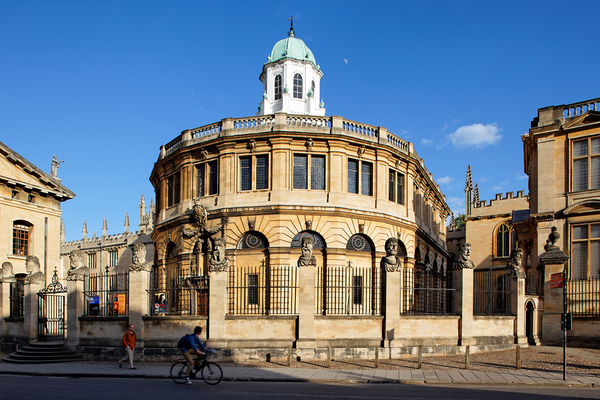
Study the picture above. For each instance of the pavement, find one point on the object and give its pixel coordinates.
(454, 377)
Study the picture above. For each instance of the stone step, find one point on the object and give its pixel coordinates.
(41, 353)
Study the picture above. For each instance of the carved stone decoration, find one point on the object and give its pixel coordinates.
(8, 276)
(252, 145)
(361, 228)
(308, 224)
(203, 154)
(307, 257)
(391, 261)
(200, 219)
(218, 262)
(309, 144)
(464, 257)
(77, 267)
(138, 256)
(361, 151)
(36, 276)
(514, 264)
(251, 225)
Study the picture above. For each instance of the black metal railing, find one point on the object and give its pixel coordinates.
(426, 291)
(17, 295)
(348, 290)
(583, 297)
(178, 292)
(263, 290)
(491, 292)
(106, 294)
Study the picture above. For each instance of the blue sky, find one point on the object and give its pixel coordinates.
(103, 84)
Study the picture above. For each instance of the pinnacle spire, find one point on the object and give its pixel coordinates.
(291, 19)
(469, 182)
(476, 194)
(126, 222)
(104, 227)
(84, 230)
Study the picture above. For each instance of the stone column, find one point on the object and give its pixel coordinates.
(74, 310)
(553, 261)
(30, 313)
(518, 310)
(139, 283)
(306, 307)
(217, 309)
(463, 304)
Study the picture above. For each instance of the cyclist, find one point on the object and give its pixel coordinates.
(193, 346)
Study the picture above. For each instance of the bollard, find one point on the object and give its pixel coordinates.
(467, 354)
(329, 357)
(289, 356)
(420, 357)
(376, 357)
(518, 357)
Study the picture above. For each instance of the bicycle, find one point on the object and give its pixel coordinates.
(210, 371)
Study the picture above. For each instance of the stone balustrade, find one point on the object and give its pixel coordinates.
(577, 109)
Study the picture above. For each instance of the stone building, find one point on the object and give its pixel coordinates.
(30, 226)
(561, 159)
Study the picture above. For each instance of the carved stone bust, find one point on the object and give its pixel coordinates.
(307, 257)
(138, 257)
(464, 257)
(218, 262)
(36, 276)
(391, 261)
(8, 276)
(77, 266)
(514, 264)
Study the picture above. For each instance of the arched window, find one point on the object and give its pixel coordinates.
(506, 240)
(253, 240)
(359, 242)
(278, 87)
(297, 86)
(21, 234)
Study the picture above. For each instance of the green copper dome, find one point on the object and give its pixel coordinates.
(291, 47)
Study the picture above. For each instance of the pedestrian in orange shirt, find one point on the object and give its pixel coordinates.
(129, 343)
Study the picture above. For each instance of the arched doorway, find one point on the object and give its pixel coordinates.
(529, 323)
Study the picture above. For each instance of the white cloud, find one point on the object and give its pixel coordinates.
(456, 204)
(445, 180)
(427, 142)
(522, 177)
(345, 60)
(476, 135)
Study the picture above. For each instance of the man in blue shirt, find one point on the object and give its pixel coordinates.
(193, 346)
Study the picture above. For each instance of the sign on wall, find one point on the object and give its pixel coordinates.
(556, 280)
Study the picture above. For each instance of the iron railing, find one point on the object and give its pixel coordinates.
(178, 292)
(348, 290)
(263, 290)
(426, 291)
(17, 295)
(583, 297)
(106, 294)
(491, 292)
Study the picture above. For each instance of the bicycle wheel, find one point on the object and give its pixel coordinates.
(178, 371)
(211, 373)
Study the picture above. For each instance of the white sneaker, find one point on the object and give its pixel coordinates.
(188, 381)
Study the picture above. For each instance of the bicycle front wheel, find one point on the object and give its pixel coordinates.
(211, 373)
(178, 372)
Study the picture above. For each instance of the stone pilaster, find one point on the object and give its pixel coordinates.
(139, 283)
(306, 308)
(4, 307)
(217, 309)
(75, 306)
(463, 304)
(30, 313)
(518, 310)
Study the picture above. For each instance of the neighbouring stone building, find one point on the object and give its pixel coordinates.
(30, 223)
(562, 161)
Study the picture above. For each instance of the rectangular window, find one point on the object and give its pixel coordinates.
(92, 260)
(586, 164)
(207, 179)
(353, 176)
(278, 87)
(262, 172)
(300, 171)
(396, 187)
(173, 190)
(357, 289)
(20, 240)
(317, 172)
(254, 171)
(585, 255)
(366, 179)
(113, 258)
(253, 289)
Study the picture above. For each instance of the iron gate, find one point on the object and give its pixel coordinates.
(51, 311)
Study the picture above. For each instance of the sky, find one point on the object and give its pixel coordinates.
(103, 84)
